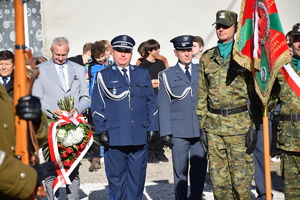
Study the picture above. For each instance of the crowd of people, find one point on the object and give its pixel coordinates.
(204, 108)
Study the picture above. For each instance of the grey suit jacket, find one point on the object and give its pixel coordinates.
(177, 112)
(49, 88)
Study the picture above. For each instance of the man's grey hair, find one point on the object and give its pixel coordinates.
(59, 41)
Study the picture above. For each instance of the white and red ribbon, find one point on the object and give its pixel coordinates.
(291, 78)
(62, 173)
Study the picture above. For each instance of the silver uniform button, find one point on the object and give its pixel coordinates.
(5, 125)
(23, 175)
(12, 148)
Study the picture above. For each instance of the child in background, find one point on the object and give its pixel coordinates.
(98, 54)
(108, 50)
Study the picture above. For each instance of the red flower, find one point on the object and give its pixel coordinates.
(77, 153)
(60, 146)
(69, 150)
(67, 163)
(64, 155)
(81, 146)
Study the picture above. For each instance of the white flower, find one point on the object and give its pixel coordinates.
(61, 134)
(74, 137)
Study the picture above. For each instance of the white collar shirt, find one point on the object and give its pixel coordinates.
(8, 79)
(183, 68)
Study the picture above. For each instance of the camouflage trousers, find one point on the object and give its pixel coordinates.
(290, 168)
(231, 169)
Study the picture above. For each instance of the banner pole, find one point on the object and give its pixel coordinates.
(267, 153)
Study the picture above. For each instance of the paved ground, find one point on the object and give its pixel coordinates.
(159, 183)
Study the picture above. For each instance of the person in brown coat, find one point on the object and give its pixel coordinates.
(18, 180)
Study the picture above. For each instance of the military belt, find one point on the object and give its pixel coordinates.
(228, 111)
(291, 117)
(290, 153)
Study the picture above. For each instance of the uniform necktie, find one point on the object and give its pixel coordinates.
(187, 72)
(125, 74)
(4, 80)
(62, 77)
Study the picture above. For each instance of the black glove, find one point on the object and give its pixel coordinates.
(203, 139)
(167, 140)
(29, 108)
(104, 139)
(251, 139)
(152, 136)
(45, 170)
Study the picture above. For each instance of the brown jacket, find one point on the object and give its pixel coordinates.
(17, 180)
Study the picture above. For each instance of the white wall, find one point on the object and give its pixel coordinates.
(84, 21)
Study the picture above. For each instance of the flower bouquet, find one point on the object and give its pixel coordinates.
(69, 138)
(72, 139)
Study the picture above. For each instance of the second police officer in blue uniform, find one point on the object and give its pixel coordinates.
(124, 110)
(178, 121)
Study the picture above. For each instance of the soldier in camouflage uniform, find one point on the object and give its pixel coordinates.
(288, 135)
(224, 90)
(18, 180)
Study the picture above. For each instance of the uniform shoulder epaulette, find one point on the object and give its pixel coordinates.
(208, 50)
(112, 67)
(165, 70)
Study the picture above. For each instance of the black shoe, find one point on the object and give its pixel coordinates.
(162, 158)
(153, 160)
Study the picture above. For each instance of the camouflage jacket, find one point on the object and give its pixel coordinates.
(288, 136)
(225, 84)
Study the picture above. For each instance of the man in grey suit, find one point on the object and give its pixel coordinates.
(58, 78)
(179, 125)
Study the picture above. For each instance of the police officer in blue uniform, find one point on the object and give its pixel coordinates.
(124, 110)
(178, 121)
